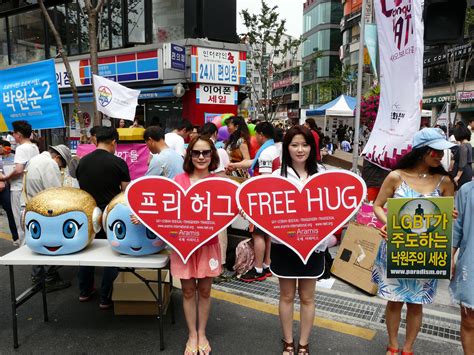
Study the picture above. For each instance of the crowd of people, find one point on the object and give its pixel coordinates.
(189, 154)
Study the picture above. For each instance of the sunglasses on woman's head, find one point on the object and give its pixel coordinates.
(197, 153)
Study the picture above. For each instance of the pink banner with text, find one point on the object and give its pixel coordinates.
(134, 154)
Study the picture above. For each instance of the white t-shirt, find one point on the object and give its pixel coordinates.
(268, 161)
(175, 142)
(223, 160)
(23, 153)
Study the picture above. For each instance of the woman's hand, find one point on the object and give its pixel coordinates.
(455, 213)
(383, 232)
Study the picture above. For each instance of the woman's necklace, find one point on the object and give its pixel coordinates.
(422, 175)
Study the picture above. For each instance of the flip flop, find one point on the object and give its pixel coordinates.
(205, 349)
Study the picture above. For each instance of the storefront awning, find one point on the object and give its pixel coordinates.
(159, 92)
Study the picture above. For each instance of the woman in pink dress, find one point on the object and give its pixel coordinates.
(197, 274)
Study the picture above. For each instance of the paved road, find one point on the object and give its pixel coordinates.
(237, 325)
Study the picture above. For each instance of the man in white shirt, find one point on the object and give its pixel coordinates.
(210, 131)
(44, 172)
(175, 138)
(266, 161)
(23, 153)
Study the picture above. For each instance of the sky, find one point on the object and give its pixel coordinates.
(291, 10)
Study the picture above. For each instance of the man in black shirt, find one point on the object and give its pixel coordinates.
(104, 176)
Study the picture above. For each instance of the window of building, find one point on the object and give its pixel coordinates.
(27, 37)
(168, 20)
(136, 21)
(327, 12)
(3, 43)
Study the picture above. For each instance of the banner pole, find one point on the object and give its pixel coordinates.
(355, 146)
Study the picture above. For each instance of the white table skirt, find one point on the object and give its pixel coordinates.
(98, 253)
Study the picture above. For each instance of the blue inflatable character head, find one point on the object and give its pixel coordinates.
(124, 236)
(61, 221)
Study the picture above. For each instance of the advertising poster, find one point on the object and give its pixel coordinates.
(216, 94)
(184, 219)
(30, 92)
(420, 236)
(302, 216)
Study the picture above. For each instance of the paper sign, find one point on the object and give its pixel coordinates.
(188, 219)
(302, 216)
(419, 243)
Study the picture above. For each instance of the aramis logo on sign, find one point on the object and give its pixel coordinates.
(402, 20)
(105, 96)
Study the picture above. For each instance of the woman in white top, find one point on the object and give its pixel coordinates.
(298, 165)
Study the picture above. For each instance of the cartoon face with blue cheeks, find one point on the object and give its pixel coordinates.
(61, 221)
(124, 236)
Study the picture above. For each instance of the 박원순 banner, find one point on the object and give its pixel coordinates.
(30, 92)
(419, 237)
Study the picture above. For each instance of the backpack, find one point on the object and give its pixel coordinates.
(244, 257)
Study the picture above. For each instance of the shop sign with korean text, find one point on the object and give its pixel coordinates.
(302, 216)
(420, 236)
(216, 94)
(184, 219)
(174, 56)
(30, 92)
(218, 66)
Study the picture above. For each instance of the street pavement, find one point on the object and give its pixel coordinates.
(243, 320)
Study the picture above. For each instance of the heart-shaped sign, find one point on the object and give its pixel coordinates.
(184, 219)
(302, 216)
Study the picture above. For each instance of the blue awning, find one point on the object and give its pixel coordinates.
(159, 92)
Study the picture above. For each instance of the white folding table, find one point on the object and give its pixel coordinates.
(99, 253)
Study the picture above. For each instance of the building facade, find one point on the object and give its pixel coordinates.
(320, 50)
(143, 44)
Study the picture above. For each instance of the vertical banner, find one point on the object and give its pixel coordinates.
(420, 236)
(30, 92)
(400, 34)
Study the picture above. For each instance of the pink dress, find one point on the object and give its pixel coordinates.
(204, 262)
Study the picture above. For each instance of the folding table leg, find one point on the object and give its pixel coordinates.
(43, 292)
(170, 305)
(13, 302)
(160, 311)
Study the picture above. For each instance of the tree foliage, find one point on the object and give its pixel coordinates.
(266, 39)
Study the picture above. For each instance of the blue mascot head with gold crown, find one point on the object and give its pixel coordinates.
(61, 221)
(124, 236)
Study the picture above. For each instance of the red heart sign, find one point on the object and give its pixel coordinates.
(184, 219)
(302, 216)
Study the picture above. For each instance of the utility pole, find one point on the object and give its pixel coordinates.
(355, 149)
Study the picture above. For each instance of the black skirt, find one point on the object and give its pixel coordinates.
(286, 263)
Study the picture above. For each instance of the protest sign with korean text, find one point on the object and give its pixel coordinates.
(30, 92)
(419, 237)
(185, 220)
(302, 216)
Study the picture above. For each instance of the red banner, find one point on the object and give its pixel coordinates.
(302, 216)
(188, 219)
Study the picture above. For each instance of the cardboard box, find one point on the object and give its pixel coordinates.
(356, 256)
(131, 296)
